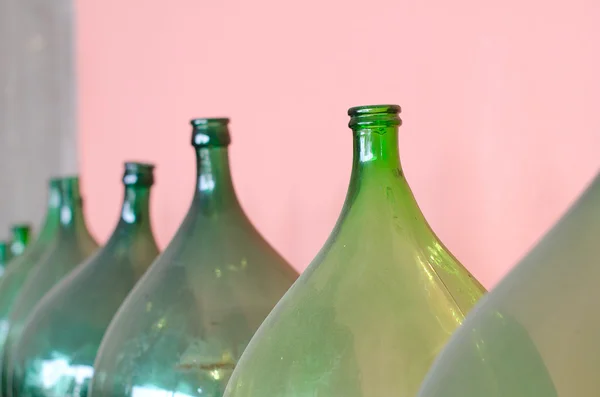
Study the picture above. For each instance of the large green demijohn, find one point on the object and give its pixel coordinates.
(56, 352)
(537, 333)
(71, 244)
(184, 326)
(380, 300)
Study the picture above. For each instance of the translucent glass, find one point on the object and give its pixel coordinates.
(14, 277)
(14, 248)
(379, 301)
(64, 331)
(184, 326)
(70, 246)
(5, 256)
(536, 333)
(20, 239)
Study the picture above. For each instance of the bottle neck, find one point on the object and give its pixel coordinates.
(375, 152)
(71, 214)
(214, 187)
(52, 213)
(4, 254)
(135, 211)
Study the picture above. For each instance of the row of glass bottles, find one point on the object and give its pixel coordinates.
(185, 325)
(367, 317)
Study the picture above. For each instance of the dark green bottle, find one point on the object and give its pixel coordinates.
(14, 277)
(20, 239)
(184, 326)
(64, 331)
(70, 246)
(5, 256)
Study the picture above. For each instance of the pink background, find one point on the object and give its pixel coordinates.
(500, 107)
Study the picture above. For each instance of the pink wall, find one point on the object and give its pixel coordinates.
(500, 108)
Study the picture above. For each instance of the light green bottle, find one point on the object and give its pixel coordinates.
(379, 301)
(536, 333)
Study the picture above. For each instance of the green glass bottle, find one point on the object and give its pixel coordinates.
(372, 310)
(5, 256)
(182, 329)
(71, 245)
(64, 331)
(536, 333)
(20, 239)
(14, 277)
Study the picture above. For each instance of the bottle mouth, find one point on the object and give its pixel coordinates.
(20, 229)
(374, 115)
(59, 181)
(138, 174)
(210, 132)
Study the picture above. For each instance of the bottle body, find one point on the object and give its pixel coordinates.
(184, 326)
(536, 333)
(70, 246)
(65, 329)
(378, 302)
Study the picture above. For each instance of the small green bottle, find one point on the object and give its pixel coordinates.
(5, 256)
(183, 327)
(20, 238)
(66, 327)
(14, 277)
(382, 297)
(70, 246)
(536, 334)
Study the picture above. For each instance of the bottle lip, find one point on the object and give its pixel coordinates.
(374, 109)
(207, 122)
(138, 173)
(373, 116)
(60, 180)
(210, 132)
(20, 227)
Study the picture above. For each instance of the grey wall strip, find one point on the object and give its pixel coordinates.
(37, 104)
